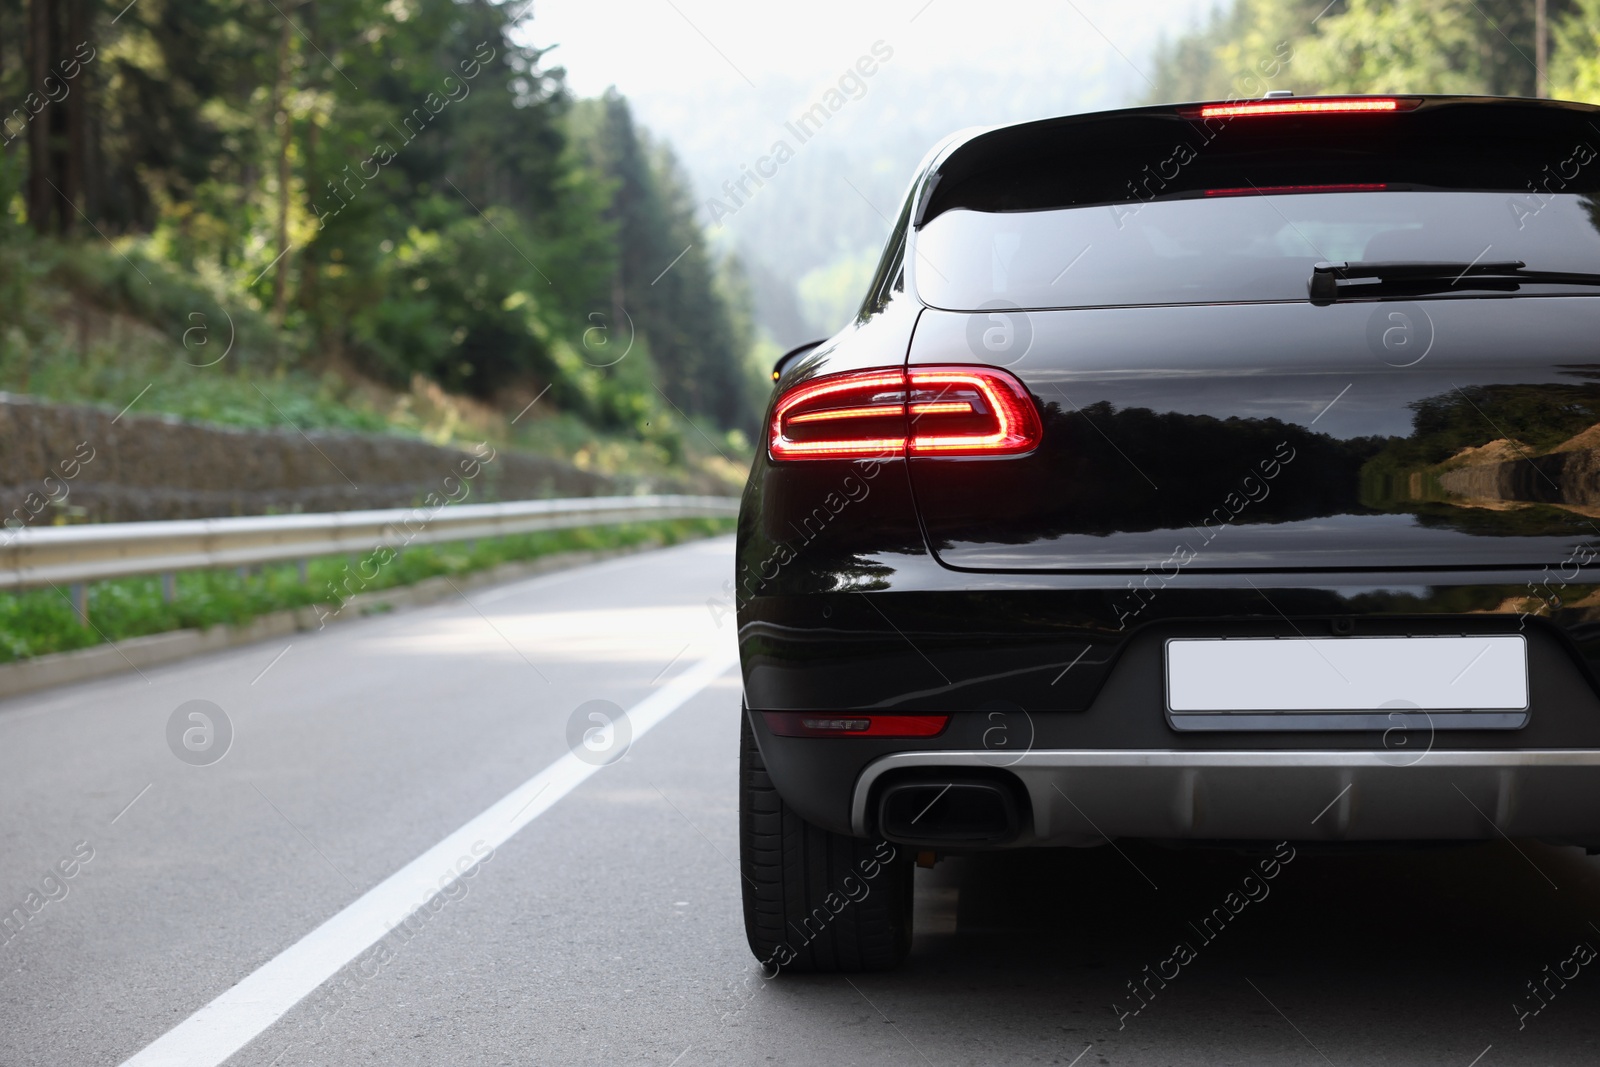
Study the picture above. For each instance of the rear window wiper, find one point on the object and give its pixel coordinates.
(1331, 282)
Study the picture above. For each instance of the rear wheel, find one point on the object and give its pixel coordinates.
(814, 900)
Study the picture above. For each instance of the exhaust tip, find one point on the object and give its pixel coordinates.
(948, 812)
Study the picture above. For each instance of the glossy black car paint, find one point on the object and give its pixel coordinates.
(1041, 587)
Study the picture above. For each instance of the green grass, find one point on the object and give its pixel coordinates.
(149, 328)
(43, 621)
(113, 372)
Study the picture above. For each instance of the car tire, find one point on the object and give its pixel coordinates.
(815, 901)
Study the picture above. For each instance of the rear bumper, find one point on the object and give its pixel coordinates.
(1088, 796)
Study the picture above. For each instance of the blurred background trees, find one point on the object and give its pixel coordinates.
(1387, 46)
(383, 189)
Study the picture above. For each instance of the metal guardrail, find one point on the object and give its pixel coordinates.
(72, 555)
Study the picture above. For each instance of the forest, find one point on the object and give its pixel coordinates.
(1494, 47)
(397, 193)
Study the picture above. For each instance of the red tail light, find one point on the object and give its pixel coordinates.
(841, 416)
(942, 411)
(811, 724)
(1329, 106)
(970, 411)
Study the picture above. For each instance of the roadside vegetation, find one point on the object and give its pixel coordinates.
(44, 621)
(374, 216)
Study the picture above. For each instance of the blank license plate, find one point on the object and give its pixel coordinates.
(1347, 674)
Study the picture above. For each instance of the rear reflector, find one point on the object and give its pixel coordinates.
(1342, 106)
(809, 724)
(889, 414)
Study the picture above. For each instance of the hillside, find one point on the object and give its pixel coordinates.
(395, 221)
(72, 367)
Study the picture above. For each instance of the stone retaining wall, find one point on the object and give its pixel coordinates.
(90, 466)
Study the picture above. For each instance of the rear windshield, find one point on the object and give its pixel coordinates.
(1152, 212)
(1231, 249)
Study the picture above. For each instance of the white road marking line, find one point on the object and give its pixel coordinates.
(238, 1016)
(530, 801)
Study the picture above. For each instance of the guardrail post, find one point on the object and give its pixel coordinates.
(79, 592)
(303, 567)
(169, 584)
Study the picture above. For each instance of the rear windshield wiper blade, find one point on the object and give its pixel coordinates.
(1412, 277)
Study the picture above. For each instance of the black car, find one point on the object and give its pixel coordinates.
(1203, 473)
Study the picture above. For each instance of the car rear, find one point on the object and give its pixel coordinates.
(1173, 483)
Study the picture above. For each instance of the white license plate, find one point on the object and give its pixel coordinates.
(1347, 674)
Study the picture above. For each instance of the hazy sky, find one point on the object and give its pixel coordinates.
(725, 80)
(646, 47)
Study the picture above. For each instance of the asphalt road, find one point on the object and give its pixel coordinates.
(604, 926)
